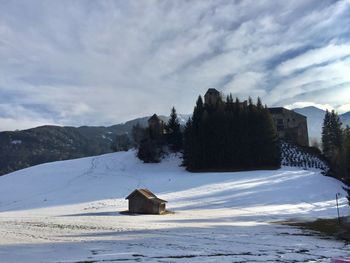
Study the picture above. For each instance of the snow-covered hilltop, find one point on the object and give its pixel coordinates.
(69, 211)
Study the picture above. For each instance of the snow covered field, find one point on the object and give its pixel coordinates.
(69, 212)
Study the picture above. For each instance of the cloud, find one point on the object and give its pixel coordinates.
(315, 80)
(105, 62)
(343, 108)
(14, 117)
(314, 57)
(302, 104)
(246, 83)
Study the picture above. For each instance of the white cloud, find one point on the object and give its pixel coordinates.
(104, 62)
(14, 117)
(343, 108)
(246, 83)
(22, 123)
(314, 57)
(314, 80)
(302, 104)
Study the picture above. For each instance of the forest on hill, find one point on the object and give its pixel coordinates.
(220, 136)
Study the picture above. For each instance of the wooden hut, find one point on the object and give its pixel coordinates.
(143, 201)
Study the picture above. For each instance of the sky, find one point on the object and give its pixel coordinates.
(82, 62)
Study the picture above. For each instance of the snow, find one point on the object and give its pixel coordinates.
(16, 142)
(292, 155)
(68, 211)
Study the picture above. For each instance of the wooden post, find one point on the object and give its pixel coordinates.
(336, 198)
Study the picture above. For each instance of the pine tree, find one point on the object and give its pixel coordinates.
(346, 147)
(121, 142)
(231, 135)
(344, 161)
(198, 117)
(337, 130)
(259, 104)
(149, 151)
(174, 135)
(331, 136)
(138, 133)
(188, 145)
(198, 111)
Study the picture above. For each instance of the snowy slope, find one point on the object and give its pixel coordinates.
(69, 211)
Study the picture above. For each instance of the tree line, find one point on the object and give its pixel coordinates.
(229, 135)
(336, 147)
(152, 145)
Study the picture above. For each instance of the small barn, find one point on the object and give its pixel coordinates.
(143, 201)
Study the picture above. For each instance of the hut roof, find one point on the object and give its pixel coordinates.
(147, 194)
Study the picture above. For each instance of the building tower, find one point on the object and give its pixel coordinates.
(156, 126)
(211, 97)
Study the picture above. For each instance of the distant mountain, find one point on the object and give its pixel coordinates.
(20, 149)
(315, 118)
(314, 121)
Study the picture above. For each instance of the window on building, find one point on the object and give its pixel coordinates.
(280, 125)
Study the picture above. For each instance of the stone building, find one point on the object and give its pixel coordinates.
(156, 126)
(291, 126)
(212, 96)
(143, 201)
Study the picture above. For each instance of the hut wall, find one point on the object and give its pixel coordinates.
(138, 204)
(161, 208)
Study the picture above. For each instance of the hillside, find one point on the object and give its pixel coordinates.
(21, 149)
(69, 211)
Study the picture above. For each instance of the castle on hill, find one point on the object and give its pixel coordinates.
(290, 125)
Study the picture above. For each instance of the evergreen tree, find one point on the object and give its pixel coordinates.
(259, 104)
(337, 130)
(174, 135)
(346, 149)
(343, 170)
(188, 145)
(149, 147)
(198, 111)
(230, 136)
(122, 142)
(149, 151)
(331, 136)
(138, 134)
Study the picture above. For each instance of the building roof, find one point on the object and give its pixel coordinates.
(154, 118)
(147, 194)
(278, 110)
(212, 91)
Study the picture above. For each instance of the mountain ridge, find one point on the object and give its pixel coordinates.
(24, 148)
(47, 143)
(315, 118)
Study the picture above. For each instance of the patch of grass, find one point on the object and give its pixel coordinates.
(327, 227)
